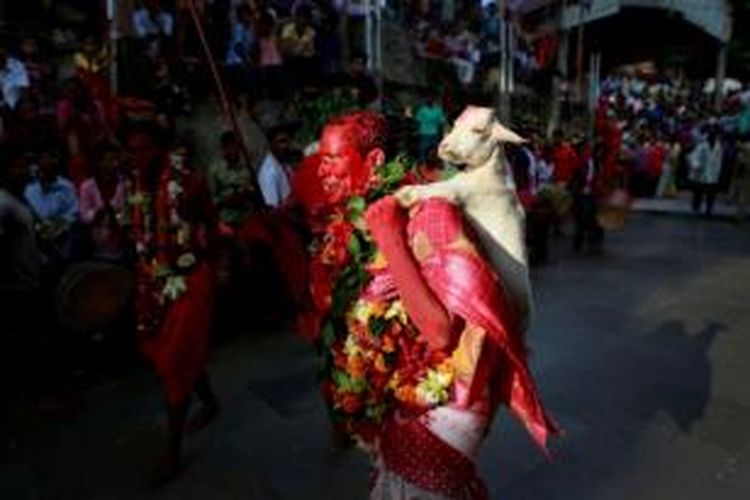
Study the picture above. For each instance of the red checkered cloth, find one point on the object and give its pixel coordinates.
(468, 287)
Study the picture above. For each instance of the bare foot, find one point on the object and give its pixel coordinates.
(203, 417)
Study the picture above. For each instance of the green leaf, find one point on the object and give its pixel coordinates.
(357, 206)
(355, 249)
(328, 334)
(341, 379)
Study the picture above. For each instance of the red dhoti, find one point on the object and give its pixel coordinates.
(179, 347)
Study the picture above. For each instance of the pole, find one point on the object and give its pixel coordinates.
(579, 55)
(504, 96)
(112, 36)
(721, 73)
(379, 48)
(368, 35)
(226, 104)
(562, 70)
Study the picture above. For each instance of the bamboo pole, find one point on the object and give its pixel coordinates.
(226, 103)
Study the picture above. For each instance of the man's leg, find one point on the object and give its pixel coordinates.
(710, 199)
(697, 198)
(209, 404)
(168, 465)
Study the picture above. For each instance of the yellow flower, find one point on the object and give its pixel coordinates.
(433, 390)
(396, 310)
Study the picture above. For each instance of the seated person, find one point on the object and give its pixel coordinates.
(53, 201)
(102, 201)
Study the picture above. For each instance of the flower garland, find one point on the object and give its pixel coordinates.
(163, 247)
(373, 358)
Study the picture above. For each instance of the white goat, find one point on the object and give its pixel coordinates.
(488, 199)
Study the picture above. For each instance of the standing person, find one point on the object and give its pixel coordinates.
(584, 186)
(430, 119)
(705, 171)
(172, 222)
(20, 271)
(270, 60)
(238, 61)
(414, 368)
(667, 187)
(298, 46)
(13, 80)
(154, 28)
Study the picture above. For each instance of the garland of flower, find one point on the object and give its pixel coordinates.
(162, 266)
(373, 360)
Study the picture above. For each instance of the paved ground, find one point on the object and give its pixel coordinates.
(640, 353)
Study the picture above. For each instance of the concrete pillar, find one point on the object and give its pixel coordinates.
(721, 73)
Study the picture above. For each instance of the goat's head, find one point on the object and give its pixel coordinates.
(475, 137)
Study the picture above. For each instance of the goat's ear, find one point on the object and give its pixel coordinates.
(503, 134)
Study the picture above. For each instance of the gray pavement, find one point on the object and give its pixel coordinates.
(641, 354)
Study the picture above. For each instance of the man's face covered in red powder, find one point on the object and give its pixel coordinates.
(340, 164)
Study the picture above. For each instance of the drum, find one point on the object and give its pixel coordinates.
(93, 295)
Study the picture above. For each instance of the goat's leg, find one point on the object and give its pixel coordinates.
(407, 196)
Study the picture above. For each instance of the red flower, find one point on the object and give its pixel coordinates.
(350, 403)
(320, 285)
(336, 243)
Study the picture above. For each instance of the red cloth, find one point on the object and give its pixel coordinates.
(278, 233)
(178, 350)
(468, 287)
(424, 460)
(566, 160)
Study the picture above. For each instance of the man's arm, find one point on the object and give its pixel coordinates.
(386, 221)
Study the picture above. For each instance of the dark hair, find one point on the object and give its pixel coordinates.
(367, 130)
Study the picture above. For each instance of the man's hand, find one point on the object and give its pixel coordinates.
(386, 220)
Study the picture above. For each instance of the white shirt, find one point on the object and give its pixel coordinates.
(144, 25)
(273, 181)
(13, 78)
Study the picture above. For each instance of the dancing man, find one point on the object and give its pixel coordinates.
(172, 228)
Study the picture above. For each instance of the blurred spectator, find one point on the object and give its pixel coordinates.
(102, 201)
(238, 61)
(298, 46)
(19, 254)
(231, 184)
(705, 170)
(430, 119)
(20, 275)
(584, 185)
(269, 58)
(54, 203)
(273, 175)
(361, 81)
(13, 80)
(153, 26)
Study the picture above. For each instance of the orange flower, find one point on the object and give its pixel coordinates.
(389, 345)
(407, 395)
(380, 363)
(355, 366)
